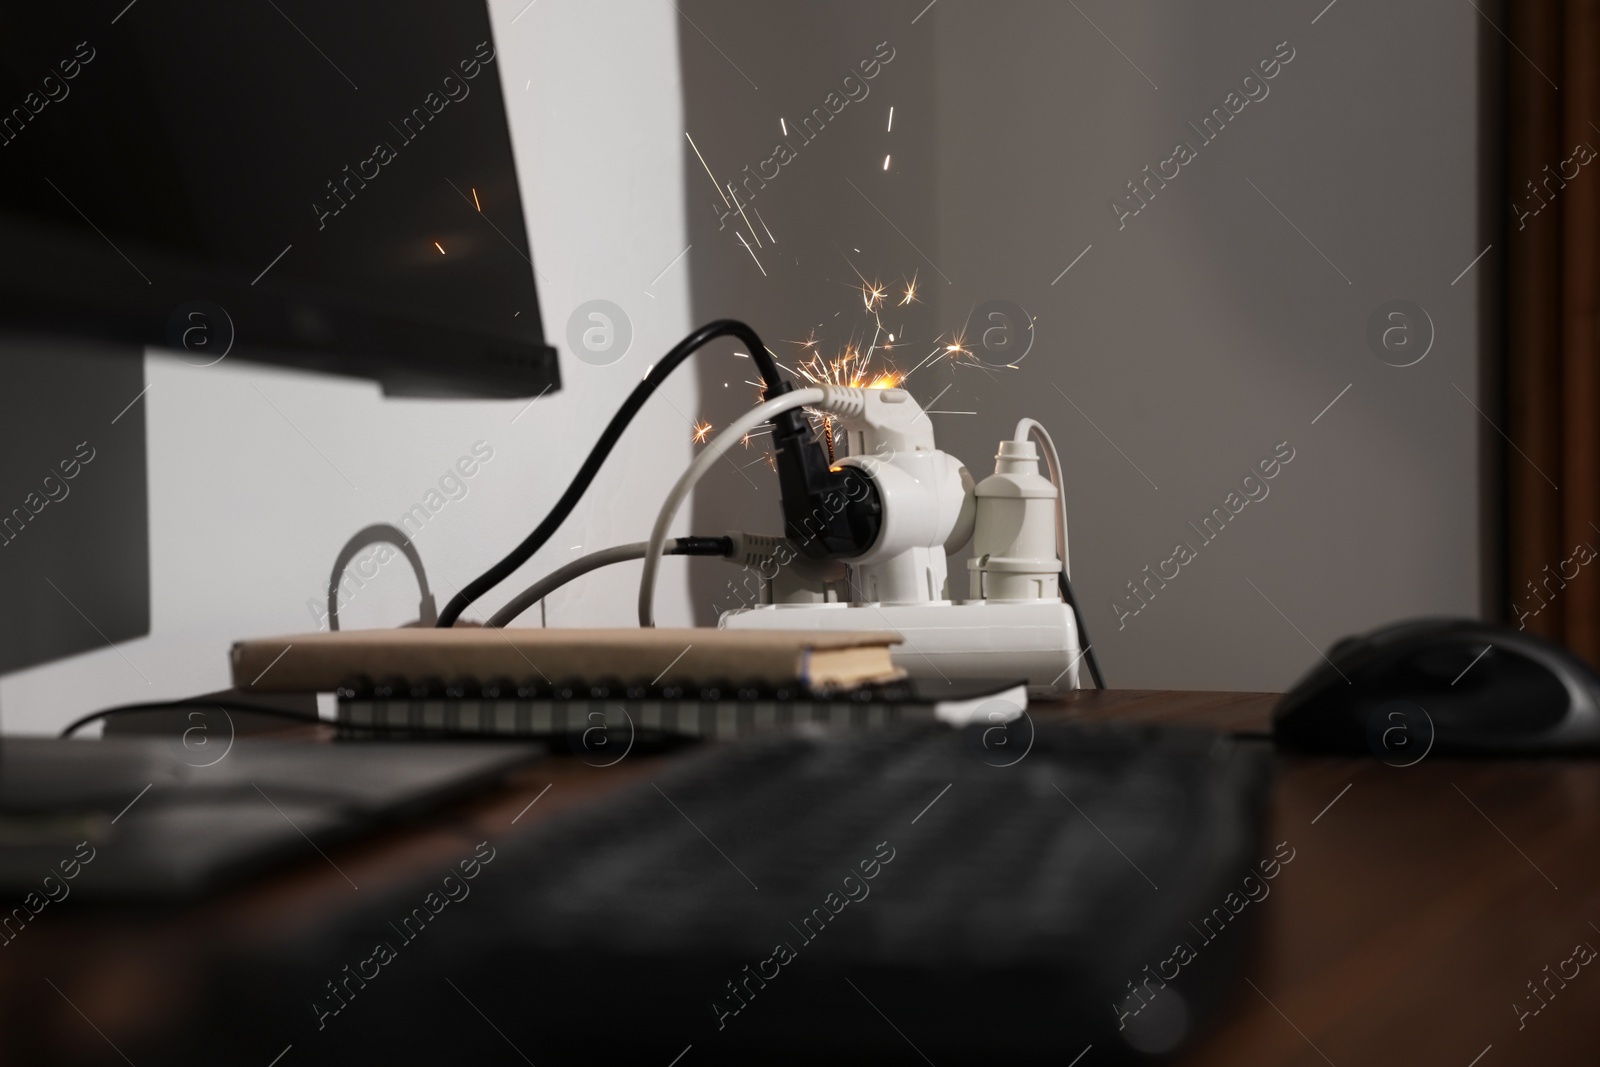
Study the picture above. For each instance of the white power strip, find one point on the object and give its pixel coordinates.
(1014, 625)
(1036, 640)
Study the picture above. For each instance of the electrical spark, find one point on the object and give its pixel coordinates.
(864, 362)
(885, 162)
(752, 252)
(891, 121)
(746, 218)
(956, 351)
(910, 296)
(702, 430)
(475, 201)
(706, 165)
(439, 246)
(852, 368)
(809, 342)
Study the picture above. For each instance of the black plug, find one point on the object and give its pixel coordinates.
(829, 512)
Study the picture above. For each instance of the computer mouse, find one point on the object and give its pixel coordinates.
(1443, 685)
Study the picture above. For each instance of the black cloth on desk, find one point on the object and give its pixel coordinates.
(814, 897)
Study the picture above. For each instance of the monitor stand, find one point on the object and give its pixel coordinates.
(74, 504)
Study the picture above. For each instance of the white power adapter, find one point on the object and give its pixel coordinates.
(1014, 542)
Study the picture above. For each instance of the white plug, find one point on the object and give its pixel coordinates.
(789, 579)
(926, 496)
(1014, 540)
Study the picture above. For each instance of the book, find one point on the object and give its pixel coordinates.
(810, 661)
(606, 721)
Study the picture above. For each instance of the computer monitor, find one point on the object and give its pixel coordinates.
(322, 186)
(329, 186)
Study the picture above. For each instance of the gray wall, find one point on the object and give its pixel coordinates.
(836, 214)
(1194, 340)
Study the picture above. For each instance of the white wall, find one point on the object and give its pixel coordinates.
(247, 514)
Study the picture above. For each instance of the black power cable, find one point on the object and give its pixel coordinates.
(772, 384)
(201, 703)
(1083, 634)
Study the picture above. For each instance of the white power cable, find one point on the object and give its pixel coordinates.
(719, 446)
(1052, 462)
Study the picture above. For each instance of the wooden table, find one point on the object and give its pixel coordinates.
(1420, 904)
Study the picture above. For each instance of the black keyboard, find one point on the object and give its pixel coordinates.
(992, 895)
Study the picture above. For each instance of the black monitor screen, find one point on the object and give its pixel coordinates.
(326, 185)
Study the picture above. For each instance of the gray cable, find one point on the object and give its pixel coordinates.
(682, 546)
(562, 575)
(380, 533)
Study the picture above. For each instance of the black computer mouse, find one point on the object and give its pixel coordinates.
(1443, 685)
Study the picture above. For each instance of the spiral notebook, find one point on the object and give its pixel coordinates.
(601, 717)
(523, 682)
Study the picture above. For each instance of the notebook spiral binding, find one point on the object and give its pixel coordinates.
(608, 712)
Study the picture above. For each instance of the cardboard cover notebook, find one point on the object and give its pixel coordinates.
(810, 660)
